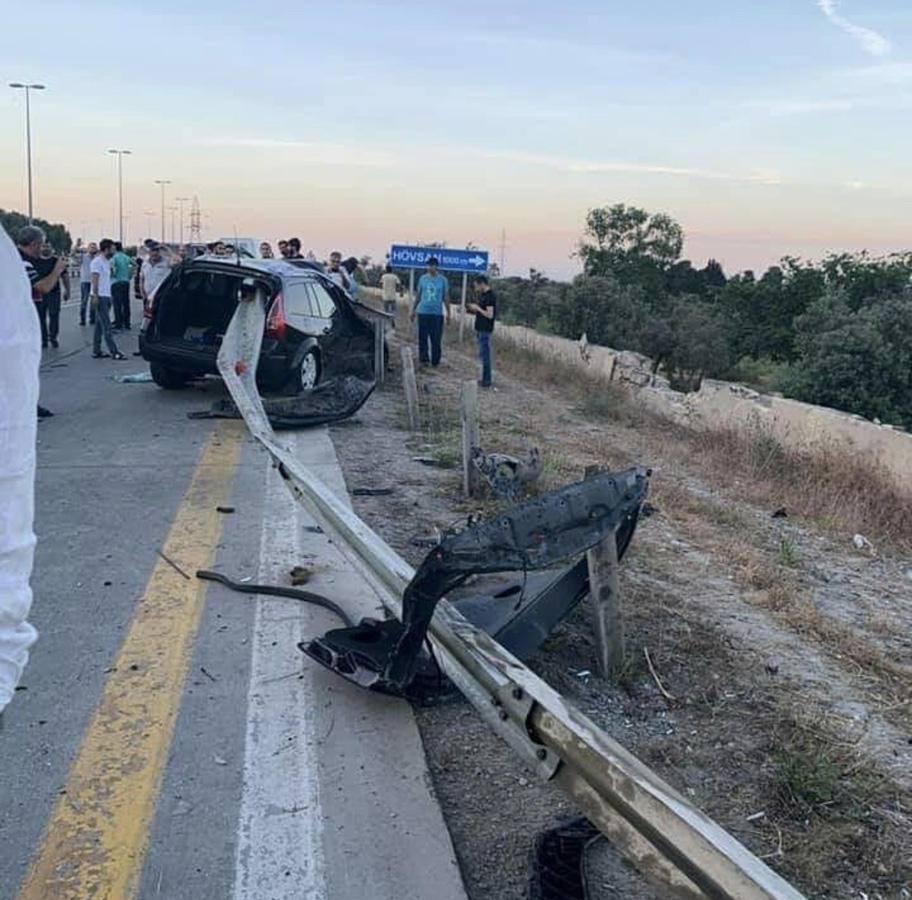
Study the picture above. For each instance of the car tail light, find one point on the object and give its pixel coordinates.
(275, 321)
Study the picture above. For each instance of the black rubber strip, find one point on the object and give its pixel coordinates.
(275, 590)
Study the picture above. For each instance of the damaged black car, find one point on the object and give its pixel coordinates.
(315, 333)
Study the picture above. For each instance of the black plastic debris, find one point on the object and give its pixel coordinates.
(532, 537)
(332, 400)
(558, 861)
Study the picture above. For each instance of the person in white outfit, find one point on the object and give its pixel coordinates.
(20, 356)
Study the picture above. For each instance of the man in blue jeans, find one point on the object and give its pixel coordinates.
(432, 296)
(485, 309)
(101, 301)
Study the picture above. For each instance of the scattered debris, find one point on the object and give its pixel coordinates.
(506, 474)
(755, 816)
(433, 462)
(300, 575)
(173, 564)
(385, 655)
(772, 668)
(583, 673)
(371, 492)
(220, 760)
(135, 378)
(668, 696)
(224, 509)
(207, 674)
(558, 872)
(781, 513)
(418, 541)
(277, 590)
(862, 543)
(648, 510)
(313, 529)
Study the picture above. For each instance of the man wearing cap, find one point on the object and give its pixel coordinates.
(431, 298)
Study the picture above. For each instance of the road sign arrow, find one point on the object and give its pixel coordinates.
(476, 260)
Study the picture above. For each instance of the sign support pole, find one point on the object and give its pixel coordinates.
(462, 309)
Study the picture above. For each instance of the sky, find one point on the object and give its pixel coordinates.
(764, 129)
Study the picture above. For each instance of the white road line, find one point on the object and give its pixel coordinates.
(280, 840)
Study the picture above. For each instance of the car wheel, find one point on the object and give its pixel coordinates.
(308, 373)
(166, 378)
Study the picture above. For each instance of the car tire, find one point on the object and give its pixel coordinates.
(166, 378)
(306, 375)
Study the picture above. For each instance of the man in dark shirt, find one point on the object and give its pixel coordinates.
(49, 307)
(485, 309)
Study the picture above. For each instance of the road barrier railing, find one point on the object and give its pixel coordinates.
(669, 840)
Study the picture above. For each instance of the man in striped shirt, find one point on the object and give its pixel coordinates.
(30, 240)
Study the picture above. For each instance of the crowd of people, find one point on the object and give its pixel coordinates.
(106, 272)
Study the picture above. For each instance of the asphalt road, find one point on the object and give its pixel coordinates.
(169, 739)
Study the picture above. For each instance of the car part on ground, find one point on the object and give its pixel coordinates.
(670, 841)
(329, 402)
(276, 590)
(558, 861)
(535, 535)
(507, 475)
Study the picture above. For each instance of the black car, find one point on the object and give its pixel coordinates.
(314, 329)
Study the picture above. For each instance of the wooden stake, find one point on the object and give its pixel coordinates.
(411, 388)
(379, 355)
(465, 282)
(470, 437)
(605, 599)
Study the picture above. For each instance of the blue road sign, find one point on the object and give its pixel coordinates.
(402, 256)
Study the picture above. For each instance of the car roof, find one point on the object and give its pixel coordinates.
(269, 266)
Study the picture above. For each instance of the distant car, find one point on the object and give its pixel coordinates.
(314, 330)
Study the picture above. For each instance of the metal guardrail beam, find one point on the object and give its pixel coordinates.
(667, 838)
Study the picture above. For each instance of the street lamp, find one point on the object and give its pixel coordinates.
(172, 210)
(28, 134)
(120, 154)
(182, 201)
(162, 182)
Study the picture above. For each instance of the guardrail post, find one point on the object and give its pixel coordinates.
(411, 388)
(605, 600)
(470, 436)
(379, 355)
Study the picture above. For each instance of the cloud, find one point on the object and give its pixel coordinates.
(592, 167)
(871, 41)
(314, 152)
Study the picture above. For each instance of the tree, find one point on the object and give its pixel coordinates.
(859, 360)
(608, 312)
(57, 235)
(629, 243)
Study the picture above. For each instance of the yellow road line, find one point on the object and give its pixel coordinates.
(97, 835)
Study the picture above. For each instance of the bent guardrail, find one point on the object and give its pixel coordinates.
(672, 842)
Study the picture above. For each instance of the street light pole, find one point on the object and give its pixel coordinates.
(182, 201)
(120, 155)
(28, 134)
(162, 182)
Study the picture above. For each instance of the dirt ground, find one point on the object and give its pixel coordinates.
(780, 700)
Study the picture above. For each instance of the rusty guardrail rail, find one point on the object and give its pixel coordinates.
(669, 840)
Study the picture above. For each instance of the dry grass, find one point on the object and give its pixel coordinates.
(829, 486)
(775, 586)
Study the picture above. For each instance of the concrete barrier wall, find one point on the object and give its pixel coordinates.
(719, 403)
(795, 424)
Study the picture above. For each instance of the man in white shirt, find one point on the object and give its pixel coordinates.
(389, 285)
(85, 255)
(154, 271)
(101, 301)
(337, 272)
